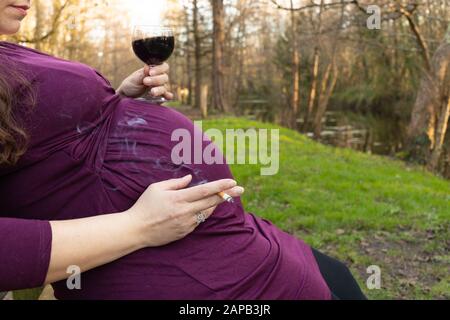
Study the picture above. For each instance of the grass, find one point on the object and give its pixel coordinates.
(363, 209)
(29, 294)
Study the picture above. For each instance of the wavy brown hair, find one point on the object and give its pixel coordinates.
(15, 91)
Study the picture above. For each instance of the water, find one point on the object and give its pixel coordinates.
(365, 133)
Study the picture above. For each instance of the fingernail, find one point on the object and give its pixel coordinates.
(233, 183)
(239, 190)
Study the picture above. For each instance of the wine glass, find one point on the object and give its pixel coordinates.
(153, 45)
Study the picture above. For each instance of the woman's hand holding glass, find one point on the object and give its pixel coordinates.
(152, 80)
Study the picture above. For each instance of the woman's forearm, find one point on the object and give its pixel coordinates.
(91, 242)
(166, 212)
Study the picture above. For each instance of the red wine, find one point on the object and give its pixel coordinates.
(155, 50)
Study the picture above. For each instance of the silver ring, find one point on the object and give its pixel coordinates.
(201, 217)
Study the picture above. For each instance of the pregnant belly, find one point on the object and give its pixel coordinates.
(218, 261)
(139, 152)
(222, 255)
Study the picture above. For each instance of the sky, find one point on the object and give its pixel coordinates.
(145, 11)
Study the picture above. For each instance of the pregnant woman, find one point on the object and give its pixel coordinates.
(92, 150)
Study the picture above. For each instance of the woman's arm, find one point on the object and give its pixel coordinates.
(89, 243)
(166, 212)
(37, 252)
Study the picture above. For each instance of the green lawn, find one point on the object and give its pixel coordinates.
(365, 210)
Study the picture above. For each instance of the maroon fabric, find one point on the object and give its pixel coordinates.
(25, 247)
(94, 152)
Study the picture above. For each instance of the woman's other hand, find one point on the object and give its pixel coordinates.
(167, 212)
(152, 80)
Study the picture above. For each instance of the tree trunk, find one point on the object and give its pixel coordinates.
(440, 136)
(426, 116)
(197, 56)
(188, 58)
(219, 99)
(240, 63)
(204, 101)
(326, 91)
(327, 85)
(39, 23)
(315, 74)
(425, 52)
(313, 92)
(295, 98)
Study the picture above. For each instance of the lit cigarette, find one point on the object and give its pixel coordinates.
(226, 197)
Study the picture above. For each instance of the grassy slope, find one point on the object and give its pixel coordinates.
(366, 210)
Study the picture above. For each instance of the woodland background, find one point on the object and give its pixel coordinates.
(313, 66)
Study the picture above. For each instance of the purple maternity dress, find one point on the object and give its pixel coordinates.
(93, 152)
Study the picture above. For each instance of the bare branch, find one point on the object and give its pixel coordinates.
(53, 28)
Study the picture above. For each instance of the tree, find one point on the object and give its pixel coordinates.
(315, 72)
(330, 76)
(197, 54)
(295, 95)
(430, 114)
(219, 98)
(188, 55)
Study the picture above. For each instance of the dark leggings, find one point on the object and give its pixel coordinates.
(339, 278)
